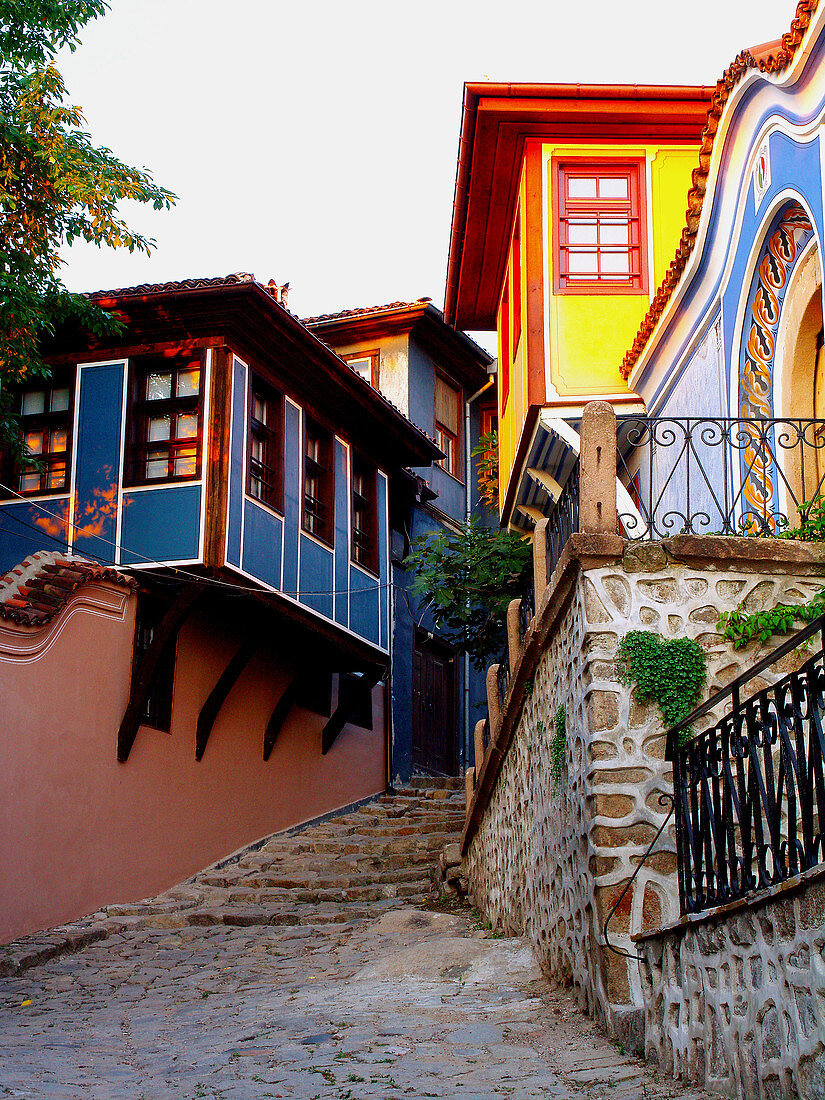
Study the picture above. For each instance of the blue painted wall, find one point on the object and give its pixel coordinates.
(97, 459)
(161, 525)
(236, 465)
(26, 528)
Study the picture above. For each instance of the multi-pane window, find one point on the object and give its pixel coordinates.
(166, 419)
(265, 458)
(45, 412)
(447, 425)
(366, 363)
(600, 239)
(364, 514)
(318, 481)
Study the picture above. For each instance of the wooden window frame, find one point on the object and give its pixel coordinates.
(142, 409)
(364, 549)
(265, 475)
(49, 422)
(374, 357)
(633, 210)
(317, 508)
(454, 468)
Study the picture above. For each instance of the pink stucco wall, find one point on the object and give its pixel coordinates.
(78, 830)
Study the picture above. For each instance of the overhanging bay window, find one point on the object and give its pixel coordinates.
(265, 463)
(448, 425)
(364, 514)
(317, 516)
(45, 417)
(165, 415)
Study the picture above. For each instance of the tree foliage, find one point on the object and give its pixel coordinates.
(468, 578)
(56, 187)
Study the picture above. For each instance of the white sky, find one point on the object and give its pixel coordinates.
(315, 142)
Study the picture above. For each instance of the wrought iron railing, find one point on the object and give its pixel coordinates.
(563, 521)
(750, 790)
(503, 683)
(726, 476)
(527, 606)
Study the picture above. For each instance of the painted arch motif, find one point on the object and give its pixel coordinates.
(785, 241)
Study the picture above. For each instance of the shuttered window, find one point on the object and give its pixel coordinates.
(447, 424)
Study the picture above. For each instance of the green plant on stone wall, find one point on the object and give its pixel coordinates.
(812, 527)
(741, 628)
(669, 671)
(558, 748)
(486, 451)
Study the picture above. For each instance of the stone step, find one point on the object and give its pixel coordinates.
(245, 915)
(450, 782)
(276, 897)
(343, 878)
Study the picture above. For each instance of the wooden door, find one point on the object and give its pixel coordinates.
(434, 732)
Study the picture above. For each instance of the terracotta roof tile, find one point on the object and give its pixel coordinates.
(769, 58)
(33, 592)
(365, 311)
(172, 287)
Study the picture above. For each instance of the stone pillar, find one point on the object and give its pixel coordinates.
(540, 560)
(478, 738)
(469, 786)
(493, 708)
(513, 640)
(597, 469)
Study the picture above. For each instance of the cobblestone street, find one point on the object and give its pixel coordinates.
(414, 1003)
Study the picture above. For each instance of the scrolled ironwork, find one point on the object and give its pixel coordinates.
(563, 521)
(503, 680)
(527, 606)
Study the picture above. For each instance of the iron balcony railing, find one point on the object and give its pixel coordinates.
(725, 476)
(750, 790)
(503, 682)
(563, 521)
(527, 606)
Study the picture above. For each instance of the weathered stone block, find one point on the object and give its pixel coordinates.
(602, 709)
(644, 557)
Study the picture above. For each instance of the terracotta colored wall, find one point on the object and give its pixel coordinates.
(78, 830)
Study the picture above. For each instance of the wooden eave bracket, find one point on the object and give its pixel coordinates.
(280, 713)
(218, 695)
(144, 677)
(340, 716)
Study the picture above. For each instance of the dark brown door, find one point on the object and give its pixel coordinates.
(434, 733)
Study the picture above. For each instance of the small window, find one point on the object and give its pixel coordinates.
(265, 480)
(318, 482)
(448, 425)
(165, 416)
(364, 514)
(157, 711)
(366, 363)
(45, 416)
(600, 231)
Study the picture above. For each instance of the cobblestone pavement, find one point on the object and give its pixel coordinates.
(414, 1003)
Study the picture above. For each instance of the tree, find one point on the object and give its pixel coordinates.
(469, 577)
(56, 187)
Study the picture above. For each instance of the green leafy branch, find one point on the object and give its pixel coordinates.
(558, 747)
(486, 451)
(741, 628)
(671, 672)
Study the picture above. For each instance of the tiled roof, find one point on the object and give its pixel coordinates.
(169, 288)
(35, 590)
(366, 311)
(768, 58)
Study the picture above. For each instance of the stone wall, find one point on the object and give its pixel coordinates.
(550, 860)
(736, 1001)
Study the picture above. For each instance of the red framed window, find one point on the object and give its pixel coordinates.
(366, 363)
(448, 425)
(505, 356)
(265, 454)
(45, 412)
(600, 239)
(319, 488)
(364, 513)
(165, 414)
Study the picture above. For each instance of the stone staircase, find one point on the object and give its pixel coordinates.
(348, 866)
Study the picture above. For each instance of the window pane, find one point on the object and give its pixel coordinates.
(33, 402)
(34, 442)
(185, 463)
(581, 232)
(259, 409)
(613, 187)
(158, 466)
(159, 428)
(363, 366)
(188, 383)
(614, 233)
(581, 187)
(58, 440)
(57, 476)
(581, 262)
(257, 449)
(60, 400)
(187, 426)
(616, 262)
(29, 481)
(159, 386)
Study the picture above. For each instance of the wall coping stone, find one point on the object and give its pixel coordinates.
(788, 886)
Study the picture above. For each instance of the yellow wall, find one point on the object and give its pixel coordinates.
(589, 333)
(511, 418)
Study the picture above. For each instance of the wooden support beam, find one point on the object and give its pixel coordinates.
(217, 696)
(143, 677)
(341, 715)
(280, 713)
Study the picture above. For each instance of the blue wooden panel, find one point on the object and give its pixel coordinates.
(383, 549)
(363, 604)
(262, 537)
(342, 547)
(316, 576)
(293, 449)
(236, 464)
(161, 524)
(25, 528)
(97, 460)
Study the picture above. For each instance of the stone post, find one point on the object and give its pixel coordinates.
(493, 709)
(513, 640)
(478, 738)
(597, 469)
(540, 560)
(469, 786)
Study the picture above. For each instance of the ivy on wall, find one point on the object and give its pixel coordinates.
(669, 671)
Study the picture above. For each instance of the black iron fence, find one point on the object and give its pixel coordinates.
(750, 790)
(726, 476)
(527, 607)
(563, 521)
(503, 683)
